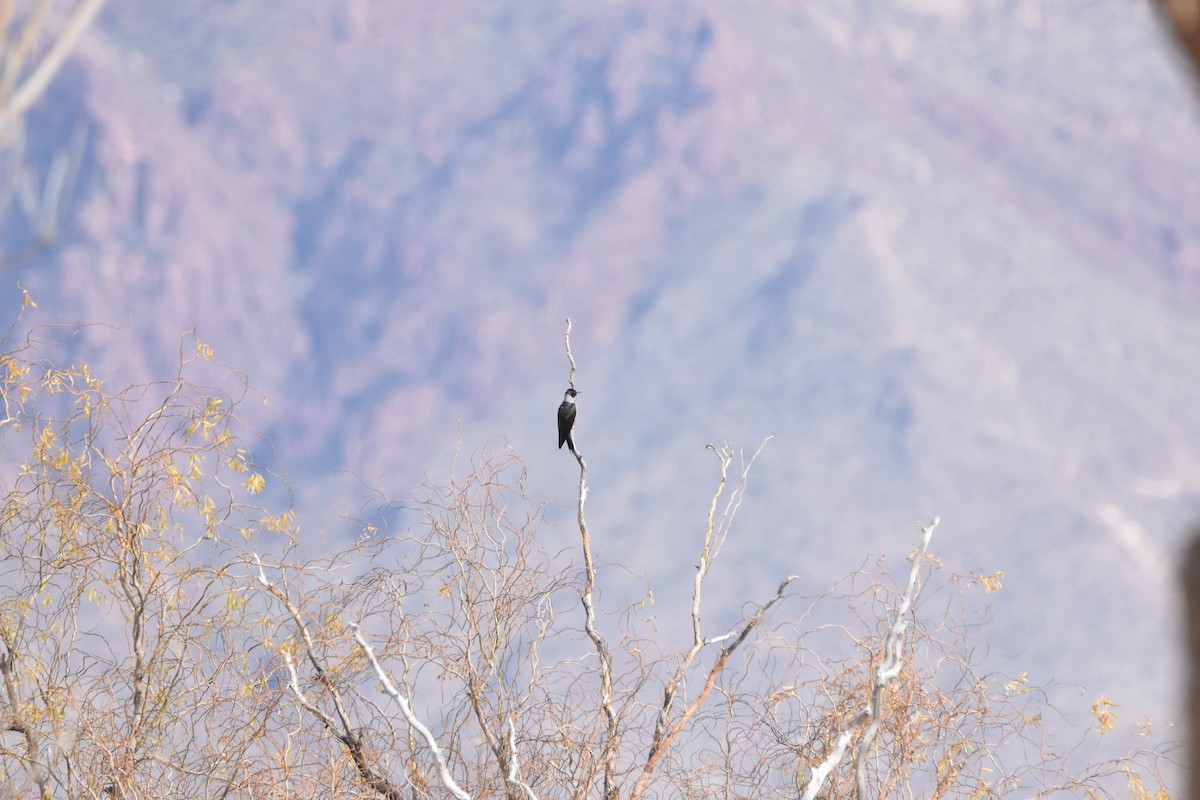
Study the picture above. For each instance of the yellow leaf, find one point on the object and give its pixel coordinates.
(1102, 710)
(1019, 684)
(990, 583)
(255, 483)
(279, 524)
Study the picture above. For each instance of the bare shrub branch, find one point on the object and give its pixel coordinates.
(892, 662)
(885, 671)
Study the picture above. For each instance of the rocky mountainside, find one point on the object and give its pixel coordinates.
(944, 252)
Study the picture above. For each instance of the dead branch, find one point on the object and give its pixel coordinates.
(340, 728)
(714, 535)
(413, 722)
(886, 670)
(603, 655)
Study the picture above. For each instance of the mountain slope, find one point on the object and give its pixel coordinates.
(940, 251)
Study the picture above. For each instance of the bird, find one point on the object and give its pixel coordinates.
(566, 420)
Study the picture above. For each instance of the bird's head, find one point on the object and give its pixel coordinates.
(570, 395)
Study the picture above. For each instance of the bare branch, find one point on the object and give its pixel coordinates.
(604, 656)
(570, 357)
(341, 728)
(660, 747)
(32, 87)
(893, 659)
(822, 770)
(409, 717)
(886, 670)
(714, 535)
(514, 769)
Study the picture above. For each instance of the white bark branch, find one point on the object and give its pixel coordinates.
(32, 87)
(340, 728)
(822, 770)
(888, 668)
(413, 722)
(514, 769)
(603, 655)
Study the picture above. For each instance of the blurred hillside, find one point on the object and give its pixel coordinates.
(945, 253)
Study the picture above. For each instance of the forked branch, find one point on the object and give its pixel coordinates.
(414, 723)
(665, 730)
(340, 728)
(885, 672)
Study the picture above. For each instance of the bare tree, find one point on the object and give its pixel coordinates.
(464, 621)
(164, 633)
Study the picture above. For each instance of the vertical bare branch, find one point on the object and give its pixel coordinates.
(892, 662)
(604, 656)
(514, 770)
(886, 670)
(665, 731)
(570, 357)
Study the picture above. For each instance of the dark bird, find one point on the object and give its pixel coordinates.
(566, 420)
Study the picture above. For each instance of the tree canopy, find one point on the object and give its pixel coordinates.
(166, 630)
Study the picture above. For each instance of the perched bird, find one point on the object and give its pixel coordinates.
(566, 419)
